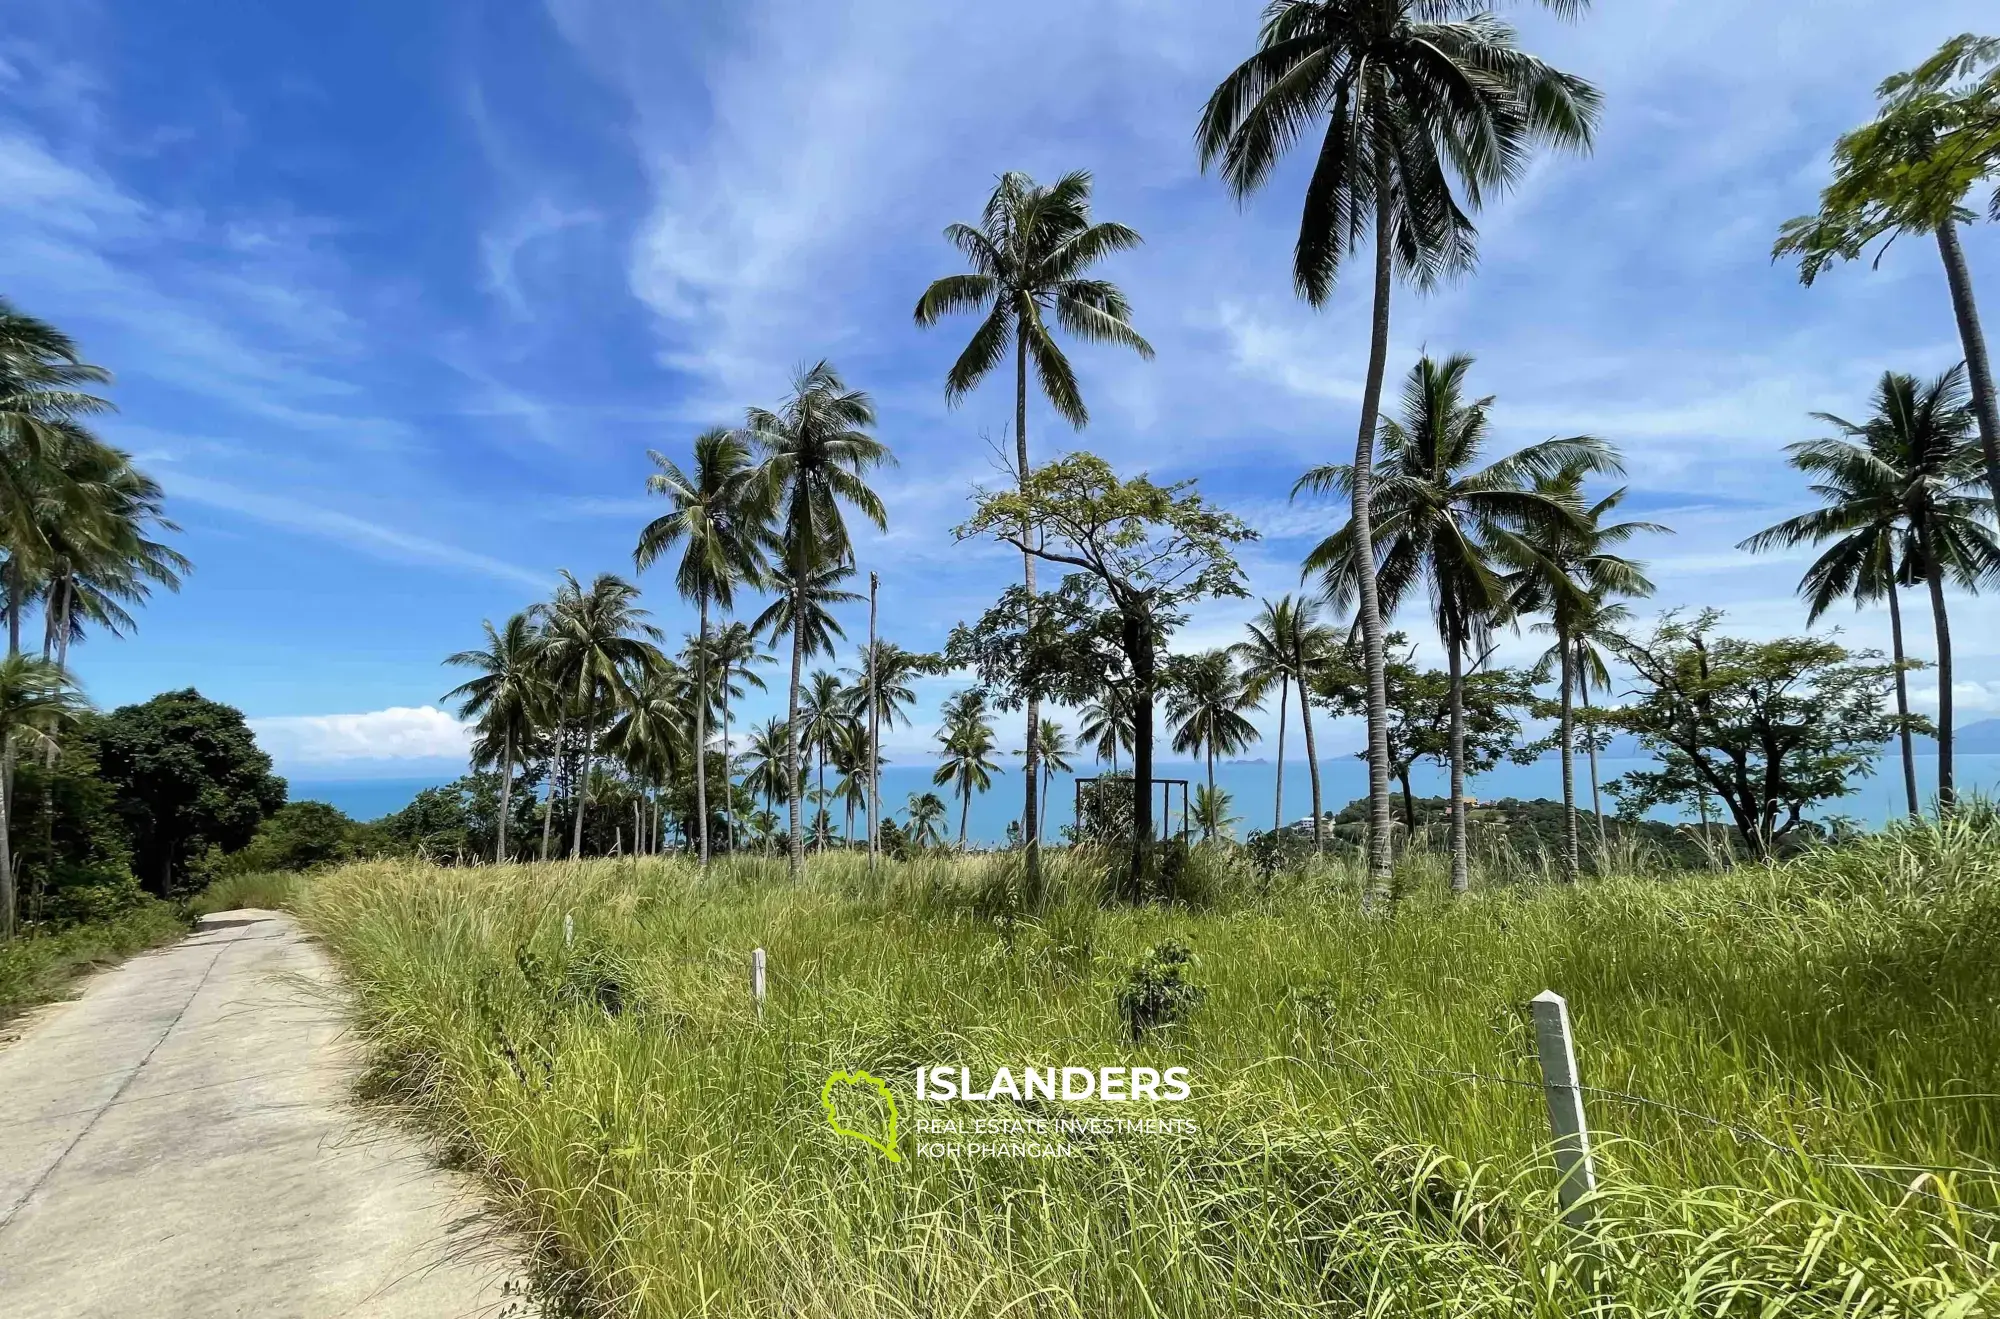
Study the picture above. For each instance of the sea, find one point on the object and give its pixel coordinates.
(1253, 789)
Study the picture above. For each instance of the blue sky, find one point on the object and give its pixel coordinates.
(399, 295)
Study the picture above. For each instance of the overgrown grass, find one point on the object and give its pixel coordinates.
(38, 968)
(1795, 1071)
(267, 890)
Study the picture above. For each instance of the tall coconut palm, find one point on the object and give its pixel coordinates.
(1288, 645)
(1414, 93)
(1206, 705)
(98, 533)
(595, 644)
(1444, 523)
(824, 707)
(42, 375)
(1565, 568)
(718, 520)
(1107, 724)
(816, 452)
(1599, 630)
(765, 760)
(506, 698)
(887, 670)
(967, 739)
(1913, 464)
(38, 706)
(1029, 255)
(737, 653)
(649, 735)
(1052, 758)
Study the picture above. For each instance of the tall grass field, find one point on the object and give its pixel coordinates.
(1792, 1079)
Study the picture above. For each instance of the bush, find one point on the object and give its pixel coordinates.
(1155, 994)
(38, 968)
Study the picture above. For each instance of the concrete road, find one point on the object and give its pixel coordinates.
(180, 1142)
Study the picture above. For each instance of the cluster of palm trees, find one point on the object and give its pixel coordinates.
(80, 527)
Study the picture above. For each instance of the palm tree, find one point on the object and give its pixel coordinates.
(1052, 756)
(926, 810)
(1029, 255)
(719, 523)
(967, 738)
(1288, 645)
(41, 374)
(506, 697)
(890, 670)
(816, 453)
(100, 553)
(1206, 705)
(1107, 724)
(38, 704)
(649, 737)
(1442, 522)
(595, 644)
(849, 754)
(1211, 811)
(1565, 568)
(1599, 630)
(1897, 498)
(823, 706)
(1414, 92)
(768, 754)
(736, 652)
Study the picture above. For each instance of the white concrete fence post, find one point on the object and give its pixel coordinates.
(1576, 1177)
(757, 979)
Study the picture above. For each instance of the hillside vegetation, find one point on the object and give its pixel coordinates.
(1793, 1069)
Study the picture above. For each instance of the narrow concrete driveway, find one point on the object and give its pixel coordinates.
(180, 1142)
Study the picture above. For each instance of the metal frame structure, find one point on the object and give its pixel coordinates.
(1166, 787)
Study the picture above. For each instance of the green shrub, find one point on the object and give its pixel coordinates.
(41, 966)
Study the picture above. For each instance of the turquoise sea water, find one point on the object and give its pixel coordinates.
(1253, 787)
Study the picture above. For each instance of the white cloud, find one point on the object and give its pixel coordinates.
(398, 733)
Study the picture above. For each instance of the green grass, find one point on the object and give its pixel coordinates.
(39, 968)
(265, 890)
(1812, 1055)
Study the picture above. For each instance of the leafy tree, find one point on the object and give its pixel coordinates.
(1908, 171)
(1773, 728)
(1144, 548)
(718, 521)
(1443, 521)
(1909, 468)
(298, 836)
(1565, 567)
(508, 699)
(816, 453)
(189, 776)
(967, 738)
(38, 707)
(1029, 254)
(1413, 93)
(71, 855)
(1288, 646)
(1206, 698)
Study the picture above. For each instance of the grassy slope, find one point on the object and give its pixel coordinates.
(39, 969)
(623, 1097)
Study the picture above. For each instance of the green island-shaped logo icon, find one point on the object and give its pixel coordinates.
(886, 1143)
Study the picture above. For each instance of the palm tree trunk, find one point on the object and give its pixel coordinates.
(7, 845)
(964, 809)
(1461, 871)
(1284, 695)
(1369, 603)
(549, 802)
(798, 845)
(1947, 796)
(1903, 702)
(15, 592)
(1568, 761)
(1978, 369)
(1207, 832)
(1312, 765)
(506, 785)
(822, 817)
(583, 790)
(874, 733)
(701, 737)
(1031, 756)
(1596, 800)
